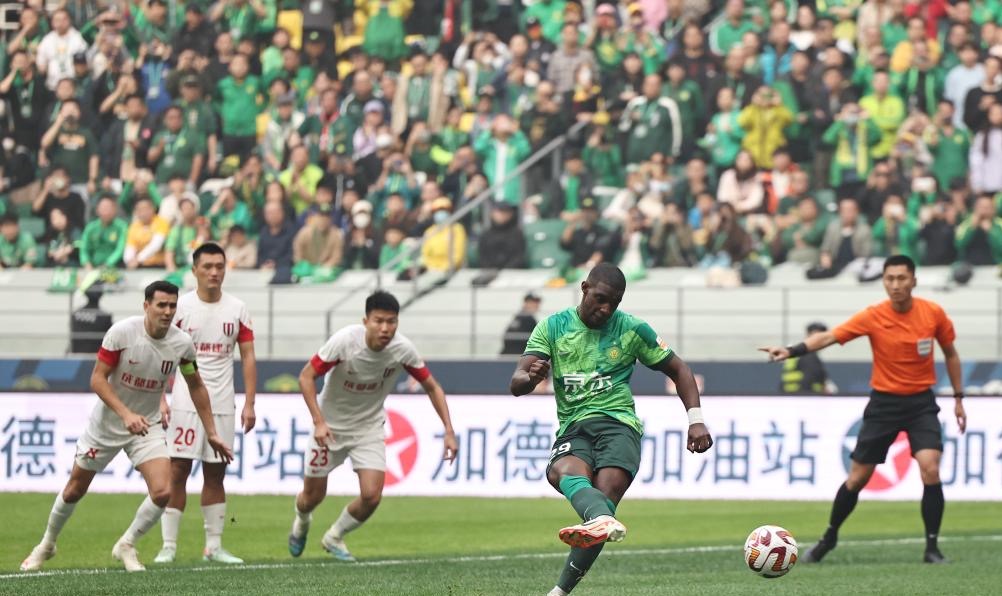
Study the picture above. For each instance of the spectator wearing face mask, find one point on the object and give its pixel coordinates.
(444, 246)
(361, 251)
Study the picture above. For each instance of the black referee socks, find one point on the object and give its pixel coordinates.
(933, 504)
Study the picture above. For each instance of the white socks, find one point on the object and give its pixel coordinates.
(215, 518)
(146, 517)
(61, 511)
(301, 525)
(345, 523)
(557, 591)
(169, 525)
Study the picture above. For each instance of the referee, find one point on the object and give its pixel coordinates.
(901, 332)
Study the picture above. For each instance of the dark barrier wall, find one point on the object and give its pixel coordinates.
(479, 377)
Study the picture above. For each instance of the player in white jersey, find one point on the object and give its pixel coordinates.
(137, 358)
(360, 364)
(218, 323)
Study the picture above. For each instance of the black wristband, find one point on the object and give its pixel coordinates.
(798, 350)
(959, 395)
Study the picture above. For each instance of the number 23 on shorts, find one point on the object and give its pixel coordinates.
(320, 457)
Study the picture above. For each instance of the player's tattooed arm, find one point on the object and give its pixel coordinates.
(99, 384)
(437, 396)
(678, 371)
(531, 371)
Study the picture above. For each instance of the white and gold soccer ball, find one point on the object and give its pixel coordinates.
(770, 551)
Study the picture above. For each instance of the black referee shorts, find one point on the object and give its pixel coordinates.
(887, 414)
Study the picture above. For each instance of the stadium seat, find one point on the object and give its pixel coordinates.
(33, 225)
(542, 239)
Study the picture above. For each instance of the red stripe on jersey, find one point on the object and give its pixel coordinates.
(245, 334)
(109, 357)
(320, 366)
(419, 373)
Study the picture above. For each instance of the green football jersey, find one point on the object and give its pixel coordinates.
(592, 367)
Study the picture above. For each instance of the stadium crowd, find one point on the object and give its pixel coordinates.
(317, 136)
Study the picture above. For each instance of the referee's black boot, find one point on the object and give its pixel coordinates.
(932, 555)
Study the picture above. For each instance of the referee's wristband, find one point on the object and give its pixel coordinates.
(695, 416)
(959, 395)
(798, 350)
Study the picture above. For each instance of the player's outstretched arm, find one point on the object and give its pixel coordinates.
(99, 384)
(818, 341)
(531, 371)
(248, 361)
(203, 405)
(308, 385)
(437, 396)
(678, 371)
(953, 370)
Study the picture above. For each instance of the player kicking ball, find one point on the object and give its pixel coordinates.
(137, 358)
(360, 364)
(593, 349)
(217, 322)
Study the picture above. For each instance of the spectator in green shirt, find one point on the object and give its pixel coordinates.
(895, 233)
(950, 146)
(549, 14)
(70, 144)
(177, 150)
(228, 212)
(239, 17)
(384, 35)
(103, 240)
(183, 237)
(198, 116)
(979, 237)
(17, 247)
(238, 101)
(729, 30)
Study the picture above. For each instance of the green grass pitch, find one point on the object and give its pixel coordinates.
(460, 546)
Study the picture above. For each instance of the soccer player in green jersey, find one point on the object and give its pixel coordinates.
(592, 349)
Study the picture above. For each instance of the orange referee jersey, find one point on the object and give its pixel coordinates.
(902, 343)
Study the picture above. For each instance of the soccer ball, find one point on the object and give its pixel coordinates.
(770, 551)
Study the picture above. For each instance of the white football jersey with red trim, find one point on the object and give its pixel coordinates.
(141, 367)
(216, 328)
(357, 379)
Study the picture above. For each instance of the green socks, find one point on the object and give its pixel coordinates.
(588, 501)
(577, 564)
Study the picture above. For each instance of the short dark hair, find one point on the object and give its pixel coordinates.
(8, 218)
(380, 300)
(609, 274)
(209, 248)
(897, 260)
(160, 286)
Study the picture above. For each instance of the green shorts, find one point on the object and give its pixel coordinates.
(602, 442)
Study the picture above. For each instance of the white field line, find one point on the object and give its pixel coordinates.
(683, 550)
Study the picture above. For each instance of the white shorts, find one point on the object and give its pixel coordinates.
(186, 436)
(366, 453)
(95, 450)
